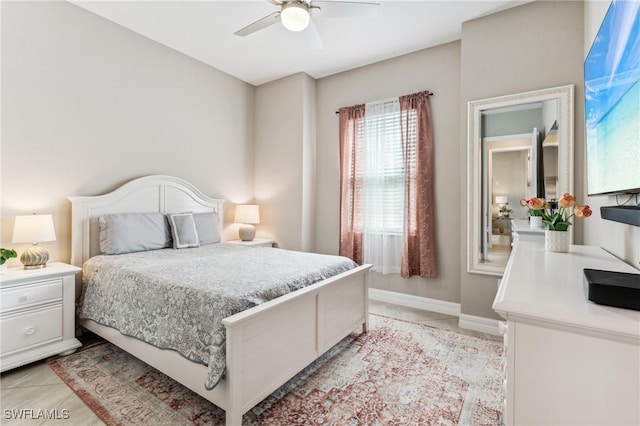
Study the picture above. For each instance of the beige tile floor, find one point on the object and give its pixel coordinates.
(36, 387)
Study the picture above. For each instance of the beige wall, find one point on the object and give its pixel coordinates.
(285, 160)
(530, 47)
(88, 105)
(438, 70)
(620, 239)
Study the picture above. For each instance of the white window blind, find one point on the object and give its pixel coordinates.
(379, 145)
(381, 207)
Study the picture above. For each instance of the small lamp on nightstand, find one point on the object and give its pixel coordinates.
(247, 215)
(503, 202)
(35, 228)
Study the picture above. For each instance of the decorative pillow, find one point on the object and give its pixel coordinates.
(130, 232)
(208, 227)
(183, 230)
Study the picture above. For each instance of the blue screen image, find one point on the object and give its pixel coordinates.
(612, 102)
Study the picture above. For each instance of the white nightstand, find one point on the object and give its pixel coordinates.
(37, 313)
(256, 242)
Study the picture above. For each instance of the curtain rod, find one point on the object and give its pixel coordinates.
(429, 95)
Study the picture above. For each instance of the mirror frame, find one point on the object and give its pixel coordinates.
(563, 94)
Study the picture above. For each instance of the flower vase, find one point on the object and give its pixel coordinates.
(3, 268)
(556, 241)
(535, 222)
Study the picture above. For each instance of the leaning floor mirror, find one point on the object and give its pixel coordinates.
(520, 146)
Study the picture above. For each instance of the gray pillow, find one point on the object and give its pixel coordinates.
(208, 227)
(183, 230)
(130, 232)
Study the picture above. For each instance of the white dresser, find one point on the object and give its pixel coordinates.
(522, 231)
(569, 360)
(37, 314)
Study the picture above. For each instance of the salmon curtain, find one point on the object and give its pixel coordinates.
(419, 250)
(350, 186)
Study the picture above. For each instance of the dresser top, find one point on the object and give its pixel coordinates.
(522, 226)
(550, 287)
(53, 269)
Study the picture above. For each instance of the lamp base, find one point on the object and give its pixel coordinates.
(35, 257)
(247, 232)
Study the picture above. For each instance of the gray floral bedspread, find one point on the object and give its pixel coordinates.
(176, 299)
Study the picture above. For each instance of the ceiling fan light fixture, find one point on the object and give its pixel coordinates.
(294, 16)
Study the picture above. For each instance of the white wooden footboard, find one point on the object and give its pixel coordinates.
(266, 345)
(269, 344)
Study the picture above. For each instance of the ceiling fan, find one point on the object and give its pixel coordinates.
(295, 15)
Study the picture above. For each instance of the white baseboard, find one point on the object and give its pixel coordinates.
(481, 324)
(470, 322)
(417, 302)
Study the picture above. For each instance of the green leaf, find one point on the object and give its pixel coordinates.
(6, 254)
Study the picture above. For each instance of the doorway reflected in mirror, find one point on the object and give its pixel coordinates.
(518, 166)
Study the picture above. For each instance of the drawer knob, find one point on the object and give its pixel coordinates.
(30, 330)
(502, 327)
(26, 297)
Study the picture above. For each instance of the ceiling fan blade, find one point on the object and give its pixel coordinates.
(313, 37)
(259, 24)
(346, 9)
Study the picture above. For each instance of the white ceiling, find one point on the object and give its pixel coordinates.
(205, 30)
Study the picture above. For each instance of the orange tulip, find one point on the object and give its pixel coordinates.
(556, 220)
(567, 201)
(536, 203)
(582, 211)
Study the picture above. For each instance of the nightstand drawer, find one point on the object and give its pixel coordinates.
(28, 295)
(21, 331)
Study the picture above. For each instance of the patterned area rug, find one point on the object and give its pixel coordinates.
(399, 373)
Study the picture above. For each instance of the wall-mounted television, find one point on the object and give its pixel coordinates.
(612, 104)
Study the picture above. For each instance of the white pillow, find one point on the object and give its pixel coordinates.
(183, 230)
(208, 227)
(130, 232)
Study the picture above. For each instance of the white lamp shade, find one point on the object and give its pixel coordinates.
(247, 213)
(502, 199)
(35, 228)
(294, 16)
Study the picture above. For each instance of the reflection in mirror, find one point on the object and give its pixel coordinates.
(550, 163)
(519, 147)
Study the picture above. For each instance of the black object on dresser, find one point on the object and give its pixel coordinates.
(619, 289)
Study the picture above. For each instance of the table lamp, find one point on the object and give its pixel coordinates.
(503, 202)
(247, 215)
(35, 228)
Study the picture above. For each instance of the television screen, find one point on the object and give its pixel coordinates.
(612, 102)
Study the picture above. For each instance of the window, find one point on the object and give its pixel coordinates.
(386, 209)
(379, 145)
(384, 169)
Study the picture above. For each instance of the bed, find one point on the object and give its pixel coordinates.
(264, 348)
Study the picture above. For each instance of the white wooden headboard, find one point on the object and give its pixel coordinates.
(156, 193)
